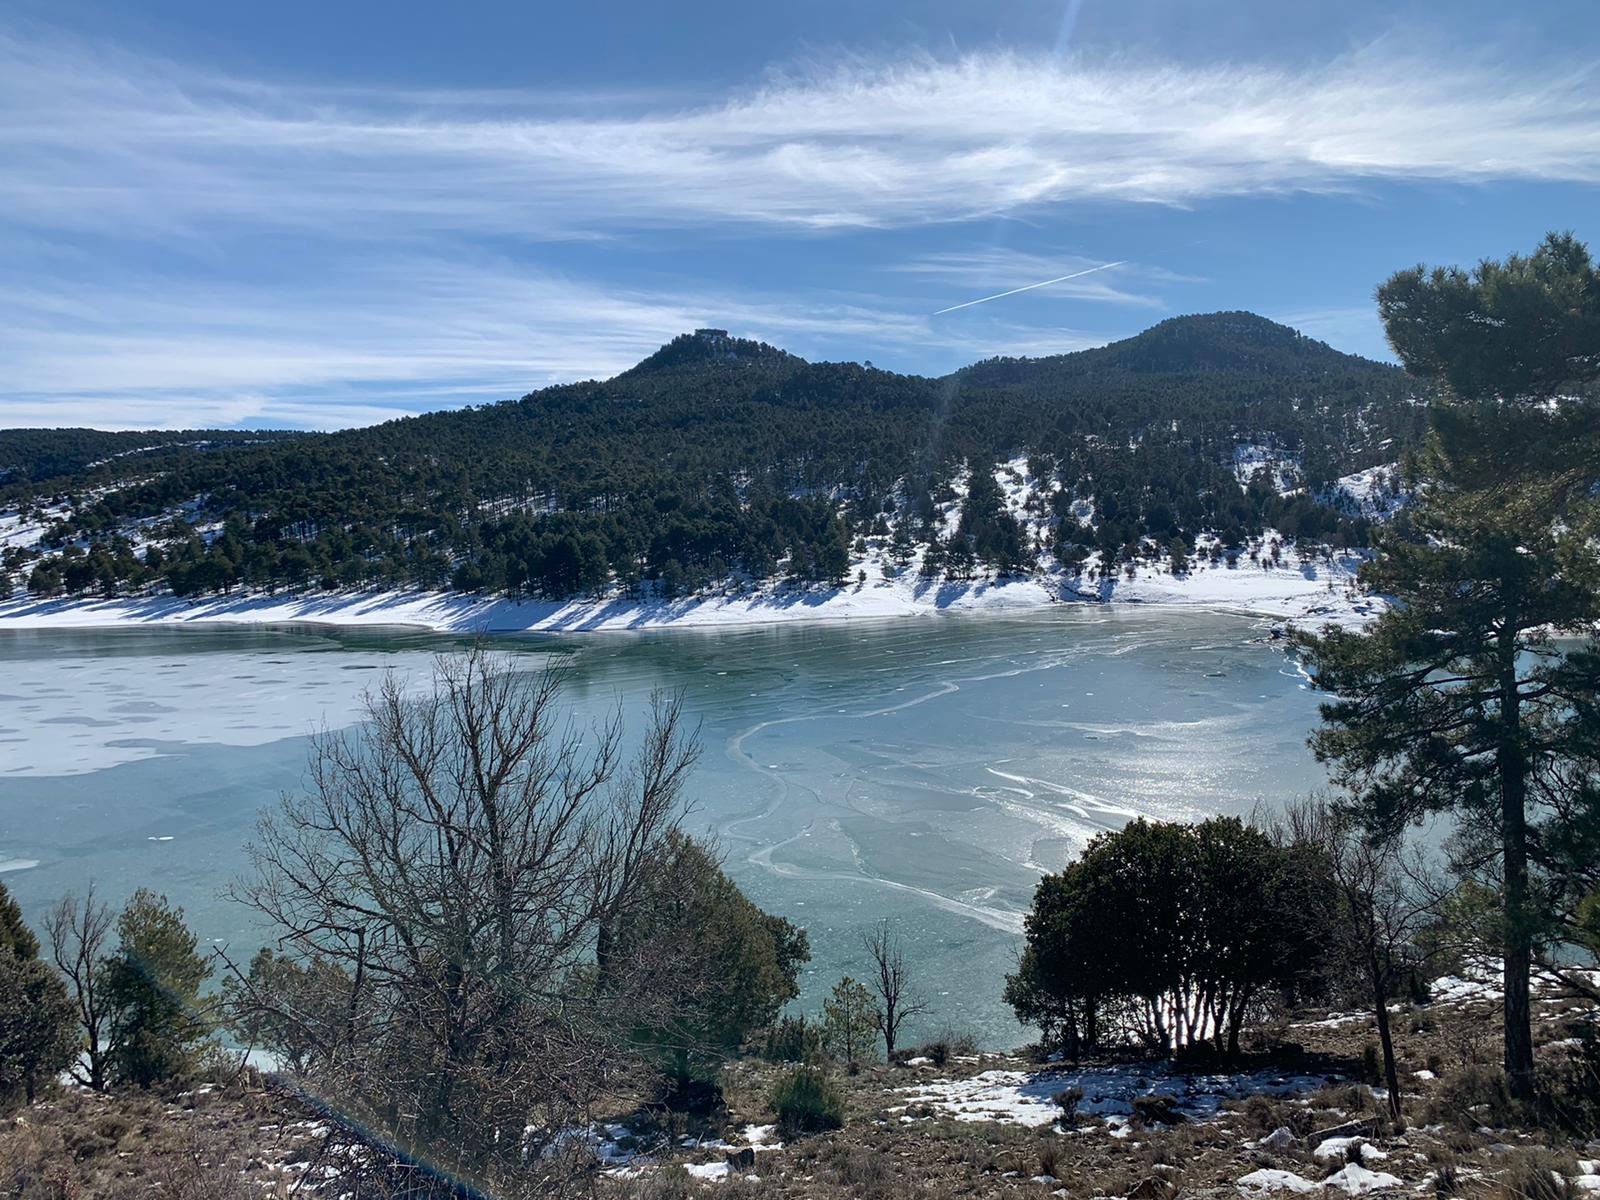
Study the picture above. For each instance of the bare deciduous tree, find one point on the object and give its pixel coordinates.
(457, 864)
(77, 933)
(890, 981)
(1381, 908)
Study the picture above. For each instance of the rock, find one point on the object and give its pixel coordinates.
(1151, 1187)
(1280, 1140)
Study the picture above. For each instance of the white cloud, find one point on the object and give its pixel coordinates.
(403, 336)
(137, 196)
(96, 138)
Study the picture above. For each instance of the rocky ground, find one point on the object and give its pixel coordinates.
(1302, 1118)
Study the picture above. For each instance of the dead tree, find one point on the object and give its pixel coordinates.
(77, 933)
(890, 981)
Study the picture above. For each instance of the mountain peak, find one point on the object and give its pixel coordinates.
(1221, 341)
(706, 347)
(1231, 343)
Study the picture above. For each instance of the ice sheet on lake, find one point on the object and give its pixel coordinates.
(83, 713)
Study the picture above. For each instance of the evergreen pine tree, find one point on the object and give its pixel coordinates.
(38, 1030)
(37, 1025)
(747, 962)
(15, 935)
(1458, 698)
(152, 985)
(900, 545)
(848, 1029)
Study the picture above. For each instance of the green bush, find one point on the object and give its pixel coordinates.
(792, 1040)
(807, 1101)
(1371, 1065)
(951, 1043)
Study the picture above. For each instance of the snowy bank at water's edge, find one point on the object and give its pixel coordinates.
(1309, 593)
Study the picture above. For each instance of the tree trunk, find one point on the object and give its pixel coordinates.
(1380, 1008)
(1514, 850)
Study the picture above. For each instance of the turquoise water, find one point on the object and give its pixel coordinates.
(925, 769)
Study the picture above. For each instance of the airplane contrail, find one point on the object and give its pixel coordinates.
(1030, 286)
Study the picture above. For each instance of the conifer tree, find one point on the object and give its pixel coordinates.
(901, 546)
(847, 1023)
(37, 1039)
(152, 984)
(15, 935)
(1459, 699)
(746, 963)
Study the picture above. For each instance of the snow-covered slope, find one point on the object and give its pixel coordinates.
(1306, 592)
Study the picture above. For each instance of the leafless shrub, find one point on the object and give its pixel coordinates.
(1381, 909)
(455, 869)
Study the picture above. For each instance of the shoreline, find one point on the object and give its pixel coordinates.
(1311, 593)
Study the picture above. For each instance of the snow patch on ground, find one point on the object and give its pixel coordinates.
(1267, 1180)
(623, 1155)
(1337, 1149)
(1024, 1097)
(1282, 468)
(1375, 493)
(1358, 1180)
(1310, 592)
(1481, 981)
(23, 532)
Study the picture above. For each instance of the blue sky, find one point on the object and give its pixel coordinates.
(319, 215)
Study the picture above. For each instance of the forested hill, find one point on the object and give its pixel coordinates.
(718, 459)
(38, 456)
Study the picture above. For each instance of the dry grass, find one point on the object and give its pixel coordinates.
(1462, 1140)
(207, 1143)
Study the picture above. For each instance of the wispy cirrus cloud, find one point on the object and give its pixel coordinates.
(400, 336)
(181, 248)
(99, 138)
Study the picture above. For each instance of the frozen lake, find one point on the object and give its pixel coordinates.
(926, 769)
